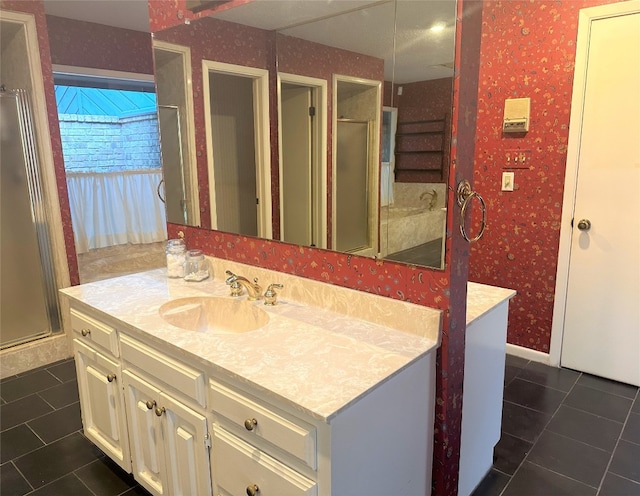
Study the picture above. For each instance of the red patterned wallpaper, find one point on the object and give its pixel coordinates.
(36, 7)
(528, 50)
(86, 44)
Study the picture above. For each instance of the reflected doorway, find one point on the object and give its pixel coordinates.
(303, 155)
(237, 122)
(109, 133)
(357, 116)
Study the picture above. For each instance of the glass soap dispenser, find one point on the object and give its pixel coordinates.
(175, 251)
(196, 266)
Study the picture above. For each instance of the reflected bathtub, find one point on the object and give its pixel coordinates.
(406, 227)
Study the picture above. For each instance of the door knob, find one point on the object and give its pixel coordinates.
(584, 224)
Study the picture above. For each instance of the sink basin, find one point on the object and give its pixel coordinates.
(213, 314)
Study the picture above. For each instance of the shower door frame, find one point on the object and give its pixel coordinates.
(373, 173)
(34, 81)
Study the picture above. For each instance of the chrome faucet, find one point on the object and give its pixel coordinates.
(433, 198)
(254, 290)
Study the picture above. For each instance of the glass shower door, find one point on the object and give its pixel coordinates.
(24, 301)
(352, 195)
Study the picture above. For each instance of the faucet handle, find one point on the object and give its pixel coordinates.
(236, 289)
(270, 296)
(232, 281)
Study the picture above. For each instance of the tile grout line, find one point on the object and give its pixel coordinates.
(565, 476)
(24, 477)
(538, 438)
(606, 471)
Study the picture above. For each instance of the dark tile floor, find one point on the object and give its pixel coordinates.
(565, 433)
(42, 448)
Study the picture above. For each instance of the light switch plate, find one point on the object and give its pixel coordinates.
(507, 181)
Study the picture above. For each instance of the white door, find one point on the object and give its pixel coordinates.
(602, 312)
(297, 219)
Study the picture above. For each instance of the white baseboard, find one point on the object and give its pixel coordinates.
(528, 353)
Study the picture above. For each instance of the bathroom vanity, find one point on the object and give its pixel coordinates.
(331, 391)
(484, 361)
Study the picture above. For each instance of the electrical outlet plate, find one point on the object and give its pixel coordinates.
(507, 181)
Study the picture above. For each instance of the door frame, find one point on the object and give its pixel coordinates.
(34, 81)
(260, 79)
(585, 19)
(191, 186)
(319, 135)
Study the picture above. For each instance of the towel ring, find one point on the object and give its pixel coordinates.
(160, 194)
(464, 196)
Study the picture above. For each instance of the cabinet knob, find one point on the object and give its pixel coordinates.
(159, 411)
(253, 490)
(111, 377)
(85, 332)
(250, 424)
(150, 404)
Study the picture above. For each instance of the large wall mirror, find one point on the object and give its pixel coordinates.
(320, 123)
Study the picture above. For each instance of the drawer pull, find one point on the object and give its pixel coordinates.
(160, 411)
(85, 332)
(111, 377)
(250, 424)
(150, 404)
(253, 490)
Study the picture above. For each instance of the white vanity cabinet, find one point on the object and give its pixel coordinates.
(100, 386)
(313, 403)
(259, 449)
(168, 430)
(376, 446)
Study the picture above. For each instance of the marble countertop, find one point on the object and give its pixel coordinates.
(482, 298)
(328, 359)
(316, 360)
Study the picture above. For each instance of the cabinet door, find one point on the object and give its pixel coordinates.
(186, 449)
(101, 402)
(145, 435)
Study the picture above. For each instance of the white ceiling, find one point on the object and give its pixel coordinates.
(363, 26)
(127, 14)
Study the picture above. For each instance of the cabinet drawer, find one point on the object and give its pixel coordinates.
(238, 466)
(185, 380)
(282, 430)
(95, 331)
